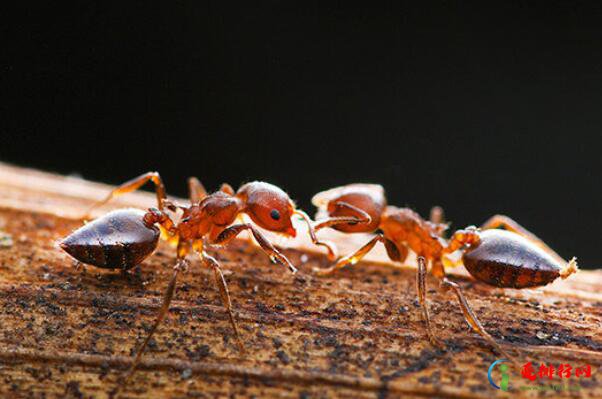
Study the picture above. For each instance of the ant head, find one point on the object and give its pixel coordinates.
(341, 201)
(268, 206)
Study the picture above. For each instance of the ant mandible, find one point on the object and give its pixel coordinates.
(123, 238)
(508, 258)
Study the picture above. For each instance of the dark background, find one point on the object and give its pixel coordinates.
(483, 111)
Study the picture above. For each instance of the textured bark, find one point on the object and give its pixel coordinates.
(70, 332)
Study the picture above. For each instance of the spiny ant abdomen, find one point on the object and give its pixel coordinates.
(506, 259)
(117, 240)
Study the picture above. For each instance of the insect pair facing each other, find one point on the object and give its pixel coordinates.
(123, 238)
(509, 258)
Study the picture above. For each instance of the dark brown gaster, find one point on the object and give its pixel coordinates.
(505, 259)
(118, 240)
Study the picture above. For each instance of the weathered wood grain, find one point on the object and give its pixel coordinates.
(65, 332)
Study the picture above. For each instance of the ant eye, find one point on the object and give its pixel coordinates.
(275, 214)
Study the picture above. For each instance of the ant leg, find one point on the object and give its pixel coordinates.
(196, 190)
(333, 221)
(437, 268)
(472, 320)
(132, 185)
(362, 217)
(421, 290)
(461, 238)
(437, 215)
(226, 188)
(154, 216)
(229, 233)
(211, 262)
(396, 253)
(506, 223)
(223, 290)
(181, 265)
(332, 255)
(437, 220)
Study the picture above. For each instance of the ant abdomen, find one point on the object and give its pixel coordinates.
(505, 259)
(117, 240)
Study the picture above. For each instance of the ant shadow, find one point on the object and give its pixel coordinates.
(111, 279)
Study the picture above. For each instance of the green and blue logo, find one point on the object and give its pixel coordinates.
(505, 376)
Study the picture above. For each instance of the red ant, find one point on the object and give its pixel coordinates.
(508, 258)
(123, 238)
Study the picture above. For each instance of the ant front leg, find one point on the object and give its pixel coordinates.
(507, 223)
(332, 255)
(472, 320)
(362, 217)
(212, 263)
(396, 254)
(333, 221)
(181, 265)
(133, 185)
(231, 232)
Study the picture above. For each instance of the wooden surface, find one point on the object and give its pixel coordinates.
(69, 333)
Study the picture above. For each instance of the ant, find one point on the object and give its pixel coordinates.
(123, 238)
(501, 253)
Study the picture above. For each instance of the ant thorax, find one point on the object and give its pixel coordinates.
(214, 213)
(404, 226)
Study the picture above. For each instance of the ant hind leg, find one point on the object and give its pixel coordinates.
(507, 223)
(133, 185)
(437, 215)
(472, 320)
(181, 265)
(196, 190)
(226, 188)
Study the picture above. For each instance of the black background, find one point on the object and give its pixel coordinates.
(483, 111)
